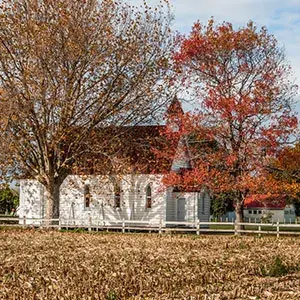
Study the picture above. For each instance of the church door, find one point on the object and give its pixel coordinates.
(181, 209)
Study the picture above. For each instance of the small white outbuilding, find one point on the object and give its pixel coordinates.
(268, 208)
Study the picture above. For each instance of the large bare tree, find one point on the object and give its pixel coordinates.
(68, 68)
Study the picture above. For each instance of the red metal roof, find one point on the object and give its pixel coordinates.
(265, 201)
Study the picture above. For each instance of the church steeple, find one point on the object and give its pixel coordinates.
(174, 114)
(175, 108)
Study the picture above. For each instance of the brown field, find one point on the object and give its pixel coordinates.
(54, 265)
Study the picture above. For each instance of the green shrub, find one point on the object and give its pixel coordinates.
(112, 295)
(276, 269)
(9, 200)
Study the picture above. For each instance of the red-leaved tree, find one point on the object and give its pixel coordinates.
(286, 168)
(243, 111)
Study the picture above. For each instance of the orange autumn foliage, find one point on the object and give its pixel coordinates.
(70, 68)
(243, 111)
(285, 168)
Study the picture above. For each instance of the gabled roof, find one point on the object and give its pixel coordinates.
(132, 152)
(265, 201)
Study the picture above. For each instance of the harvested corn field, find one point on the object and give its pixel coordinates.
(55, 265)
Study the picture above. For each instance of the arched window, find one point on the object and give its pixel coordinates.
(148, 196)
(87, 196)
(117, 195)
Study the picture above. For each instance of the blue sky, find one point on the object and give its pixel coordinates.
(281, 17)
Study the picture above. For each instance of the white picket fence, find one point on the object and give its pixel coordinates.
(160, 227)
(255, 220)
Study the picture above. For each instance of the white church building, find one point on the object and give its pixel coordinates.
(137, 195)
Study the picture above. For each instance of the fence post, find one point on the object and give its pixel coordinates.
(123, 225)
(235, 227)
(259, 229)
(198, 227)
(160, 226)
(277, 229)
(59, 223)
(24, 221)
(90, 222)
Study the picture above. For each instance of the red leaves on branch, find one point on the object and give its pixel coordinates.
(286, 169)
(243, 115)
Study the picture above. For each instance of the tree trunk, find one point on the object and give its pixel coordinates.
(52, 192)
(239, 212)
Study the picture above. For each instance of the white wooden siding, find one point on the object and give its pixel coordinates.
(133, 200)
(181, 160)
(31, 197)
(282, 215)
(197, 206)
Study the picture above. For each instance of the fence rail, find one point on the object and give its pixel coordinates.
(160, 226)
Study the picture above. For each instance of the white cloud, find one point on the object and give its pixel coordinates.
(234, 11)
(282, 18)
